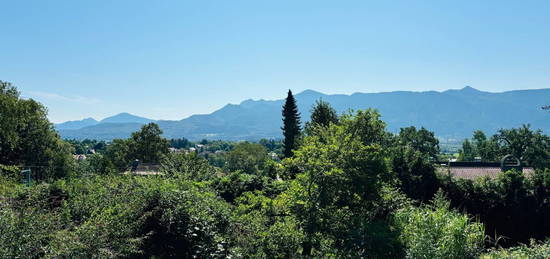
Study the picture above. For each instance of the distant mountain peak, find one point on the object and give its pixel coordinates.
(310, 93)
(465, 90)
(469, 89)
(125, 117)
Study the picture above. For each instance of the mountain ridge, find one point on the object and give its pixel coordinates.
(453, 113)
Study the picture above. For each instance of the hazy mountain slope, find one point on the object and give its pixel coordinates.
(451, 114)
(71, 125)
(102, 131)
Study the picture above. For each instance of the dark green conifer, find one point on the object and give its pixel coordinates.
(291, 125)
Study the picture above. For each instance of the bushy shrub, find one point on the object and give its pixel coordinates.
(247, 157)
(234, 184)
(533, 251)
(187, 166)
(113, 216)
(512, 206)
(262, 229)
(189, 222)
(435, 231)
(415, 173)
(10, 178)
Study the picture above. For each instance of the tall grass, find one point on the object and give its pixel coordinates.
(534, 251)
(436, 231)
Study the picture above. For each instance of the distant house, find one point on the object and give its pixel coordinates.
(79, 157)
(273, 156)
(175, 150)
(472, 170)
(200, 147)
(138, 168)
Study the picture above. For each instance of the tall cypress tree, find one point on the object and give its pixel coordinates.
(291, 124)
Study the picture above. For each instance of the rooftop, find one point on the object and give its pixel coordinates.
(472, 172)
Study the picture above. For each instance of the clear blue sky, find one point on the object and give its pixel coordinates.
(171, 59)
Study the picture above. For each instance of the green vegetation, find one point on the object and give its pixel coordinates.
(512, 205)
(435, 231)
(113, 216)
(530, 146)
(350, 189)
(534, 250)
(88, 146)
(247, 157)
(291, 125)
(322, 115)
(28, 138)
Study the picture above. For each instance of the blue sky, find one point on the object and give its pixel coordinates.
(171, 59)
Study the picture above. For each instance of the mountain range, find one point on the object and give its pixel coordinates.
(453, 114)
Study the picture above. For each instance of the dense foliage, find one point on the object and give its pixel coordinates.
(530, 146)
(350, 189)
(88, 146)
(27, 138)
(113, 216)
(513, 206)
(145, 146)
(435, 231)
(322, 115)
(534, 250)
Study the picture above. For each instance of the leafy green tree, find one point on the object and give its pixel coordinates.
(486, 148)
(100, 146)
(411, 158)
(234, 184)
(118, 155)
(219, 145)
(531, 146)
(246, 156)
(180, 143)
(416, 174)
(367, 126)
(188, 166)
(262, 229)
(322, 115)
(468, 152)
(271, 144)
(147, 145)
(86, 146)
(341, 170)
(291, 125)
(94, 164)
(27, 138)
(422, 140)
